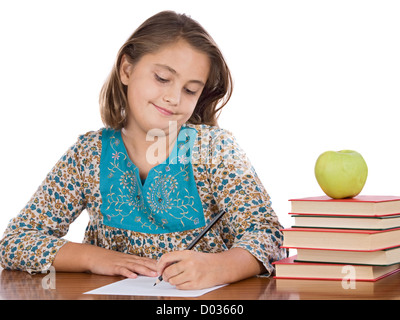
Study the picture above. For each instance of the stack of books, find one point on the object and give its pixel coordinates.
(335, 237)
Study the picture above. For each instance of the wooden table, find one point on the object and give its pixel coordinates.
(71, 286)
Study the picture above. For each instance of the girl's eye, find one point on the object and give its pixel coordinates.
(190, 92)
(163, 80)
(160, 79)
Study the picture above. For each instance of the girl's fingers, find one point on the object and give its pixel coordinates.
(132, 266)
(143, 270)
(172, 271)
(143, 260)
(169, 259)
(125, 272)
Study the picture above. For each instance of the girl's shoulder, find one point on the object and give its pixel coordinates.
(91, 136)
(89, 141)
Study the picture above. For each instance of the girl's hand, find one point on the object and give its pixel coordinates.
(117, 263)
(190, 269)
(198, 270)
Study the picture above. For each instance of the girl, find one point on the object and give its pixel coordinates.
(154, 176)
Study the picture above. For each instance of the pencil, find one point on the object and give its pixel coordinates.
(199, 236)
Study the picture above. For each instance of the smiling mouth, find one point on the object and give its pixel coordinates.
(163, 111)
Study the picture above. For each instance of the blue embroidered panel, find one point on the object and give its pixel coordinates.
(168, 201)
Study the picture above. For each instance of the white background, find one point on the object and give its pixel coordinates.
(310, 76)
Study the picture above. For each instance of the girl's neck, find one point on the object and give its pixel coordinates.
(153, 147)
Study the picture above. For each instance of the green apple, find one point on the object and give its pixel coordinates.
(341, 174)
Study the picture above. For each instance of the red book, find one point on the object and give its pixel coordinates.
(346, 222)
(383, 257)
(341, 239)
(290, 269)
(357, 206)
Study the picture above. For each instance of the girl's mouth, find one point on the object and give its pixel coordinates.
(163, 111)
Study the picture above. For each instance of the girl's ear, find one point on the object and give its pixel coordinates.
(125, 70)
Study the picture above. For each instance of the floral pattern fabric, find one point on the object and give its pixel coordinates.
(222, 176)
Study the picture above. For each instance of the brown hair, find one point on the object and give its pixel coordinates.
(161, 29)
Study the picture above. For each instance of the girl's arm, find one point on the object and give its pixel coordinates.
(250, 223)
(33, 241)
(34, 236)
(249, 228)
(78, 257)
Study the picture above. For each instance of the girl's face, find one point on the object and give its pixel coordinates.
(164, 86)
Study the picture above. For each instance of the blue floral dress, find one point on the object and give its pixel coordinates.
(206, 172)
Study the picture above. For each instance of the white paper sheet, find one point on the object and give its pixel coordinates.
(144, 286)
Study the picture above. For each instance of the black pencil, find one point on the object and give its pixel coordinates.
(199, 236)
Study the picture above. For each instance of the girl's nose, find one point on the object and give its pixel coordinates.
(172, 96)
